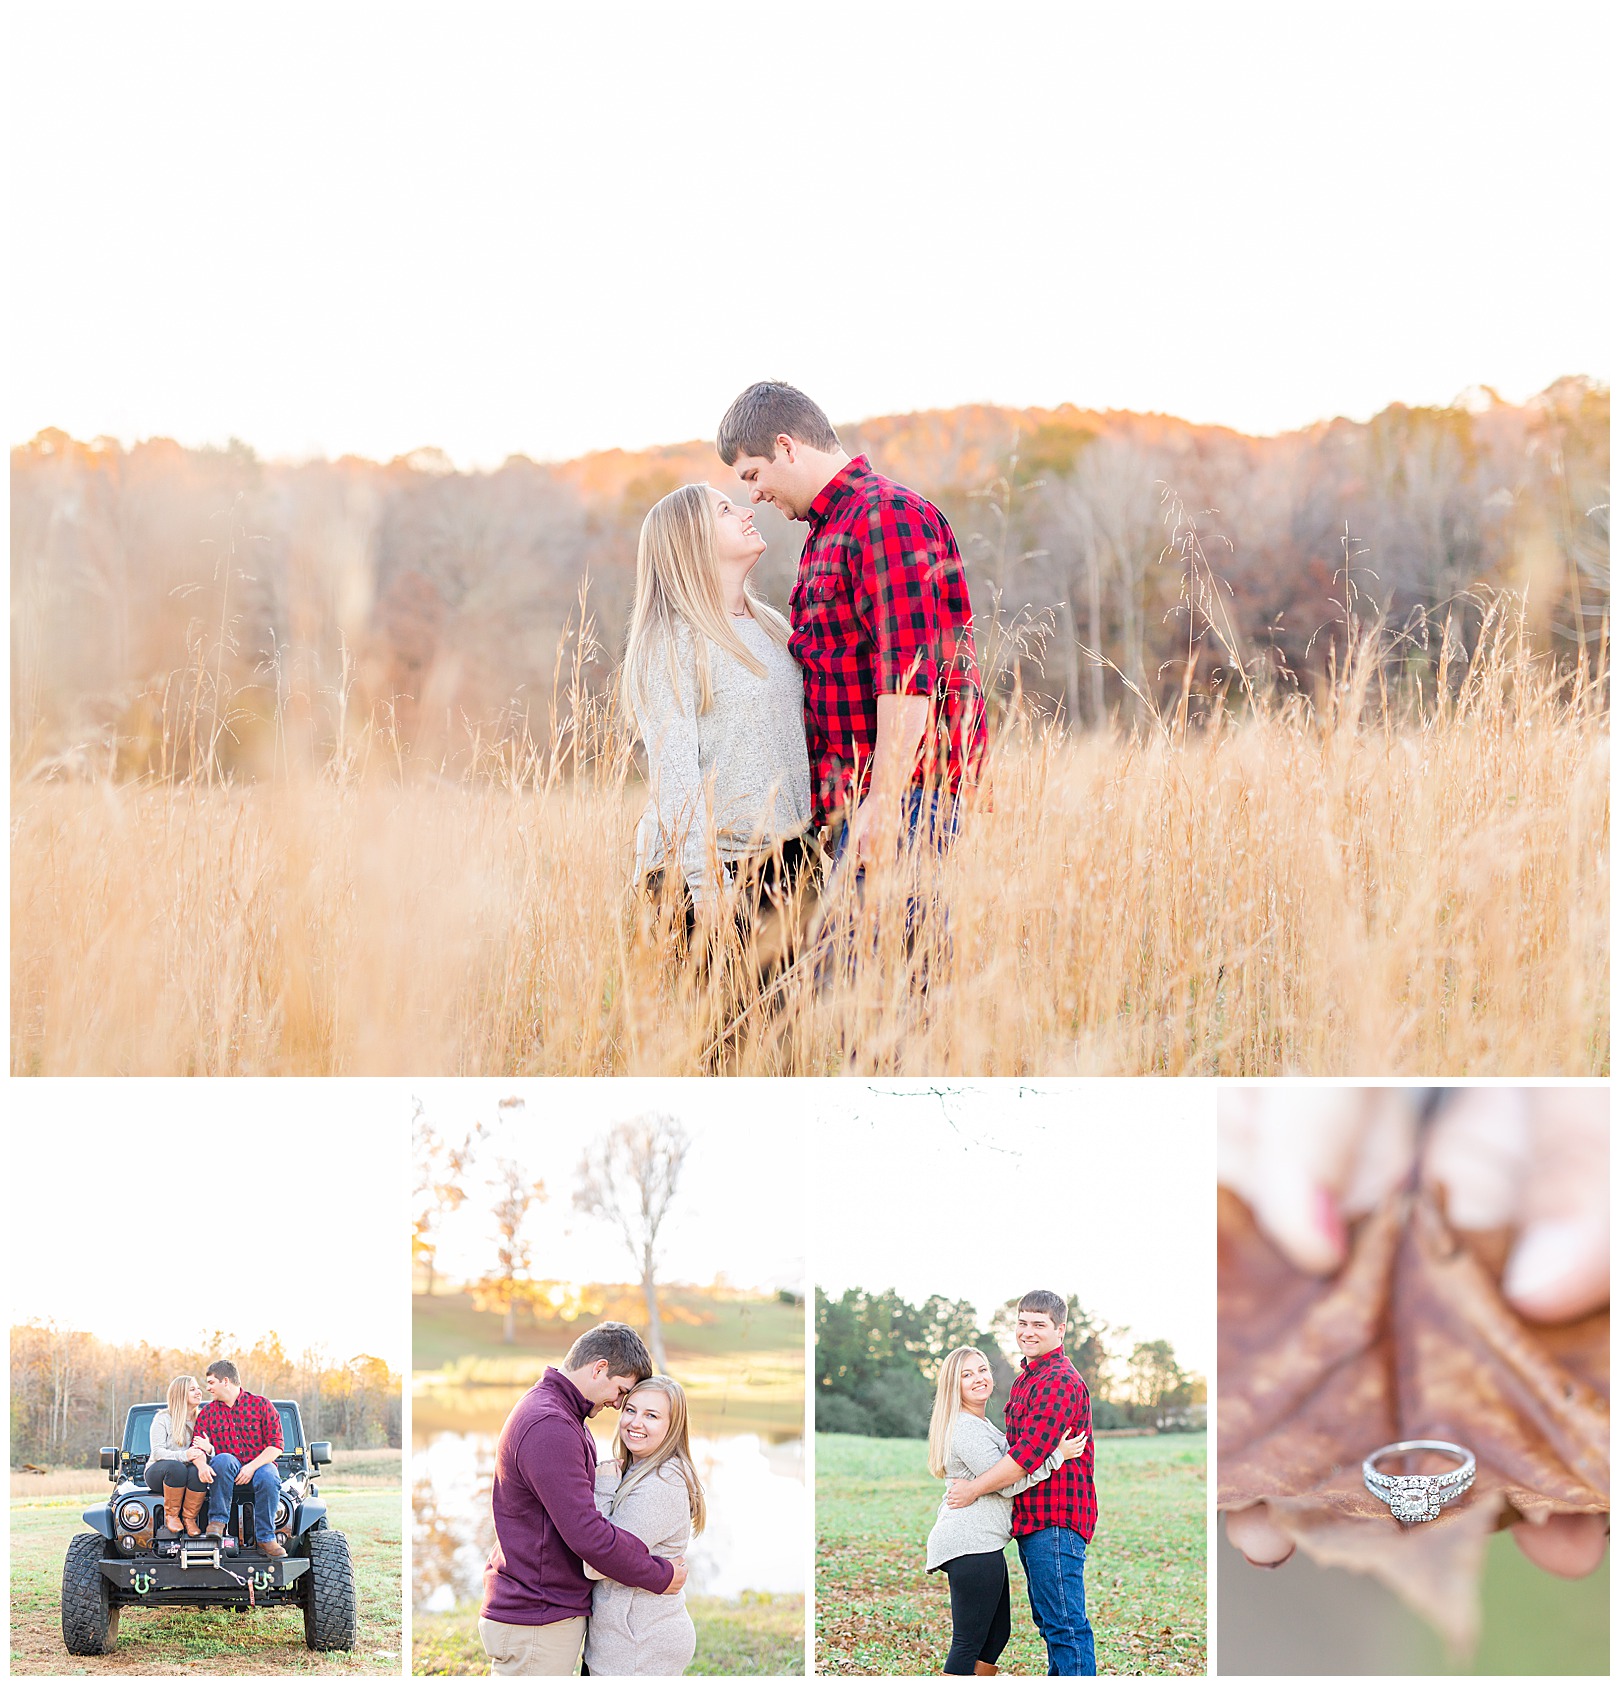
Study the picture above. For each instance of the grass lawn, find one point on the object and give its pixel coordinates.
(211, 1642)
(449, 1333)
(759, 1633)
(740, 1360)
(879, 1612)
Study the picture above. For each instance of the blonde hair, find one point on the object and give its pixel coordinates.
(674, 1449)
(678, 583)
(182, 1419)
(947, 1407)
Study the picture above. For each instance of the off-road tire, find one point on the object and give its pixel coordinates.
(89, 1615)
(331, 1622)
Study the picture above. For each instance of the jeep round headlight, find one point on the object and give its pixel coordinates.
(132, 1515)
(283, 1516)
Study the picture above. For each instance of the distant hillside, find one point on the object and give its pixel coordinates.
(144, 579)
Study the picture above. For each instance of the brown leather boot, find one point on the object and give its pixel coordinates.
(173, 1498)
(191, 1510)
(985, 1668)
(273, 1548)
(215, 1530)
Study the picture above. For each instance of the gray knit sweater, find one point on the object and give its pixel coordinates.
(986, 1524)
(164, 1444)
(632, 1631)
(740, 771)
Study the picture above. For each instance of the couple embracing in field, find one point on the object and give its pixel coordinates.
(778, 746)
(1034, 1484)
(589, 1544)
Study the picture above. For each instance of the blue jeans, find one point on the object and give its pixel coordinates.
(1055, 1566)
(266, 1490)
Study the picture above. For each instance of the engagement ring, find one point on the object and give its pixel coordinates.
(1418, 1498)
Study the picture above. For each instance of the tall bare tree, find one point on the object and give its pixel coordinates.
(629, 1179)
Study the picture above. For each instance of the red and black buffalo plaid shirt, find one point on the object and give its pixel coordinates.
(243, 1429)
(1048, 1401)
(881, 606)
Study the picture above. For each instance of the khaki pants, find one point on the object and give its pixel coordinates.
(515, 1649)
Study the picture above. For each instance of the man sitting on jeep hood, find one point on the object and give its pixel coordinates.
(246, 1434)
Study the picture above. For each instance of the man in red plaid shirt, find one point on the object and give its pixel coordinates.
(1054, 1520)
(244, 1431)
(882, 626)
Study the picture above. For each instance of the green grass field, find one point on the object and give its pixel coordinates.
(759, 1633)
(449, 1333)
(210, 1642)
(879, 1612)
(740, 1360)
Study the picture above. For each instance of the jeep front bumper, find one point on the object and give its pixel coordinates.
(247, 1579)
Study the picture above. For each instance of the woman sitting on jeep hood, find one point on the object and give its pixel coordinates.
(178, 1466)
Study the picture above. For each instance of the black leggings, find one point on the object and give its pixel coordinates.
(981, 1609)
(172, 1473)
(788, 871)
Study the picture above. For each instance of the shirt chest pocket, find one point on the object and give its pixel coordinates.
(822, 587)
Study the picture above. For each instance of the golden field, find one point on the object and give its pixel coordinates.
(1355, 889)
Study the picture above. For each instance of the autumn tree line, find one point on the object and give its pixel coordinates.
(877, 1357)
(70, 1390)
(182, 611)
(629, 1178)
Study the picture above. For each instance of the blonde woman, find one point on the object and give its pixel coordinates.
(649, 1487)
(719, 704)
(177, 1466)
(969, 1543)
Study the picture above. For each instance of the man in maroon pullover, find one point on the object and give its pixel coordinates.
(536, 1595)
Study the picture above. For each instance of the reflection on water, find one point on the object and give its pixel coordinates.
(753, 1485)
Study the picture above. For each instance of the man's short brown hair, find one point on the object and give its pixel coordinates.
(618, 1343)
(1047, 1304)
(225, 1370)
(749, 428)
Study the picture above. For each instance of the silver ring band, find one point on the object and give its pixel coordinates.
(1418, 1498)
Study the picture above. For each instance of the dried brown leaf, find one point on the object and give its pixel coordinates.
(1410, 1340)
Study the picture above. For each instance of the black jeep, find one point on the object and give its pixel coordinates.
(132, 1558)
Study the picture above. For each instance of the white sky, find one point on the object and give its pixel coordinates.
(740, 1206)
(547, 228)
(982, 1191)
(310, 1240)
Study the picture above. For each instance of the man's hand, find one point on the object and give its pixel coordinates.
(205, 1474)
(874, 837)
(874, 834)
(679, 1578)
(960, 1494)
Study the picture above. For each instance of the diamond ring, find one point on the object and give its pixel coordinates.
(1418, 1498)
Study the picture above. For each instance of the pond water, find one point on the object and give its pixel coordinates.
(753, 1483)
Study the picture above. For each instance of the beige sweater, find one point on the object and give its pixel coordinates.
(632, 1631)
(738, 774)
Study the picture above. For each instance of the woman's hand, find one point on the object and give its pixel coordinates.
(1071, 1446)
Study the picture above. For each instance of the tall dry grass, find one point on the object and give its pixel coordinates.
(1369, 886)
